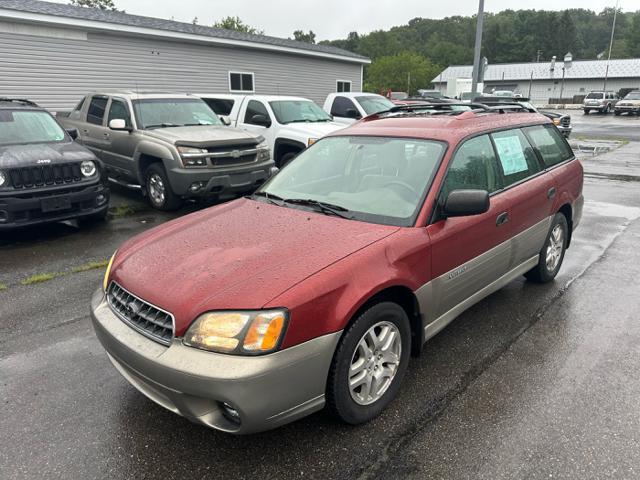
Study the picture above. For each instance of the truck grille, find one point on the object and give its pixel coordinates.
(233, 155)
(565, 121)
(147, 319)
(39, 176)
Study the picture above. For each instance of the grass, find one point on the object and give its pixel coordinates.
(90, 266)
(3, 287)
(40, 278)
(121, 211)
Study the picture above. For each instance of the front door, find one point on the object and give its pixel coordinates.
(249, 121)
(468, 253)
(120, 144)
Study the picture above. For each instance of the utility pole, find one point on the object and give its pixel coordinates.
(613, 29)
(476, 53)
(539, 53)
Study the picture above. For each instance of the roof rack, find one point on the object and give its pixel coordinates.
(445, 109)
(504, 107)
(19, 100)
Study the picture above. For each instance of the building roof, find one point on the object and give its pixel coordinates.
(627, 68)
(48, 12)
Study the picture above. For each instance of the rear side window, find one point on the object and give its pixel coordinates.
(119, 111)
(549, 142)
(97, 109)
(340, 107)
(516, 156)
(473, 167)
(222, 106)
(255, 108)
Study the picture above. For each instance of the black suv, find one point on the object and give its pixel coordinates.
(44, 175)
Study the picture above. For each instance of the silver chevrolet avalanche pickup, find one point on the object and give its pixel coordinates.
(173, 146)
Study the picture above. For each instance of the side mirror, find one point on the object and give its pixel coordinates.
(464, 203)
(118, 124)
(261, 120)
(353, 113)
(225, 120)
(73, 133)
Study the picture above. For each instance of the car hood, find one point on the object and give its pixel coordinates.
(202, 135)
(312, 130)
(45, 153)
(238, 255)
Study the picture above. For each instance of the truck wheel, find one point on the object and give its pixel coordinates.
(369, 363)
(617, 113)
(586, 111)
(286, 158)
(552, 252)
(159, 192)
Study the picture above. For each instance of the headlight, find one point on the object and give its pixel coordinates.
(264, 153)
(311, 141)
(105, 282)
(192, 156)
(556, 121)
(88, 168)
(3, 179)
(241, 333)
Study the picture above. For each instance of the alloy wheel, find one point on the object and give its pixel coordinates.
(555, 248)
(156, 189)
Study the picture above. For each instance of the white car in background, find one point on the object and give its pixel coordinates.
(348, 107)
(288, 124)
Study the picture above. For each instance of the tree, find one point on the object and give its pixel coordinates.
(634, 36)
(402, 72)
(234, 23)
(301, 36)
(101, 4)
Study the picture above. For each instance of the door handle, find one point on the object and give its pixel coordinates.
(551, 193)
(502, 219)
(106, 135)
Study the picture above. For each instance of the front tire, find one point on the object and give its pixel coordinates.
(286, 158)
(552, 253)
(586, 111)
(158, 188)
(369, 363)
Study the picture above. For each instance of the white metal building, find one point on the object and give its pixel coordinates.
(543, 81)
(54, 54)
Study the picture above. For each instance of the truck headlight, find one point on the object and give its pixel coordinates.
(556, 121)
(253, 332)
(264, 153)
(192, 156)
(88, 168)
(311, 141)
(3, 179)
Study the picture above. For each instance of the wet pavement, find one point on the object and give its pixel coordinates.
(536, 381)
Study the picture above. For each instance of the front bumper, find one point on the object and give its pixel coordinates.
(267, 391)
(566, 131)
(627, 108)
(24, 208)
(237, 178)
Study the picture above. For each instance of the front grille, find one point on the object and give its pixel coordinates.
(565, 121)
(147, 319)
(39, 176)
(233, 155)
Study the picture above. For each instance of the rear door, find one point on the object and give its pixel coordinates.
(94, 131)
(471, 252)
(530, 192)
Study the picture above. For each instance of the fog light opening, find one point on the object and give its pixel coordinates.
(4, 216)
(101, 199)
(196, 187)
(273, 171)
(230, 413)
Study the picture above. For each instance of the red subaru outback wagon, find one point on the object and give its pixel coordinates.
(316, 290)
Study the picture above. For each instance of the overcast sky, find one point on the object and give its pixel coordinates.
(333, 19)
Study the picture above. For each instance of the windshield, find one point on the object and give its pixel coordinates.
(292, 111)
(633, 96)
(375, 179)
(173, 112)
(374, 104)
(596, 95)
(28, 126)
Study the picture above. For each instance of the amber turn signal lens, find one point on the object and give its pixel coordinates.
(265, 332)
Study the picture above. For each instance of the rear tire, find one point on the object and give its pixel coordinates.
(552, 253)
(369, 363)
(158, 189)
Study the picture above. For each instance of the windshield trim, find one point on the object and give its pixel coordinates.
(65, 139)
(408, 222)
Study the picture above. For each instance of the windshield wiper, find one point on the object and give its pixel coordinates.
(200, 124)
(162, 125)
(269, 196)
(327, 208)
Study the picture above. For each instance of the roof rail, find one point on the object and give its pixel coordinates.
(19, 100)
(510, 108)
(431, 108)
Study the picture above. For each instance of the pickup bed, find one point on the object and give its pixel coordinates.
(173, 146)
(289, 124)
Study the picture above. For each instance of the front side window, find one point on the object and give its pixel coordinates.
(341, 105)
(516, 156)
(549, 142)
(19, 127)
(97, 109)
(298, 111)
(240, 82)
(119, 111)
(256, 109)
(375, 179)
(374, 104)
(173, 112)
(473, 167)
(343, 86)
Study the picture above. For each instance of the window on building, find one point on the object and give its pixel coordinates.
(97, 109)
(241, 82)
(343, 86)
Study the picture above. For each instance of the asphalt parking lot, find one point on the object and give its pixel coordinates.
(536, 381)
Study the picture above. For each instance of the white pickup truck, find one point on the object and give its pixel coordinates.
(289, 124)
(348, 107)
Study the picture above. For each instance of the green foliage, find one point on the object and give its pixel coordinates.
(101, 4)
(402, 72)
(235, 23)
(301, 36)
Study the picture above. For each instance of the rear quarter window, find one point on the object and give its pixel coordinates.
(549, 142)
